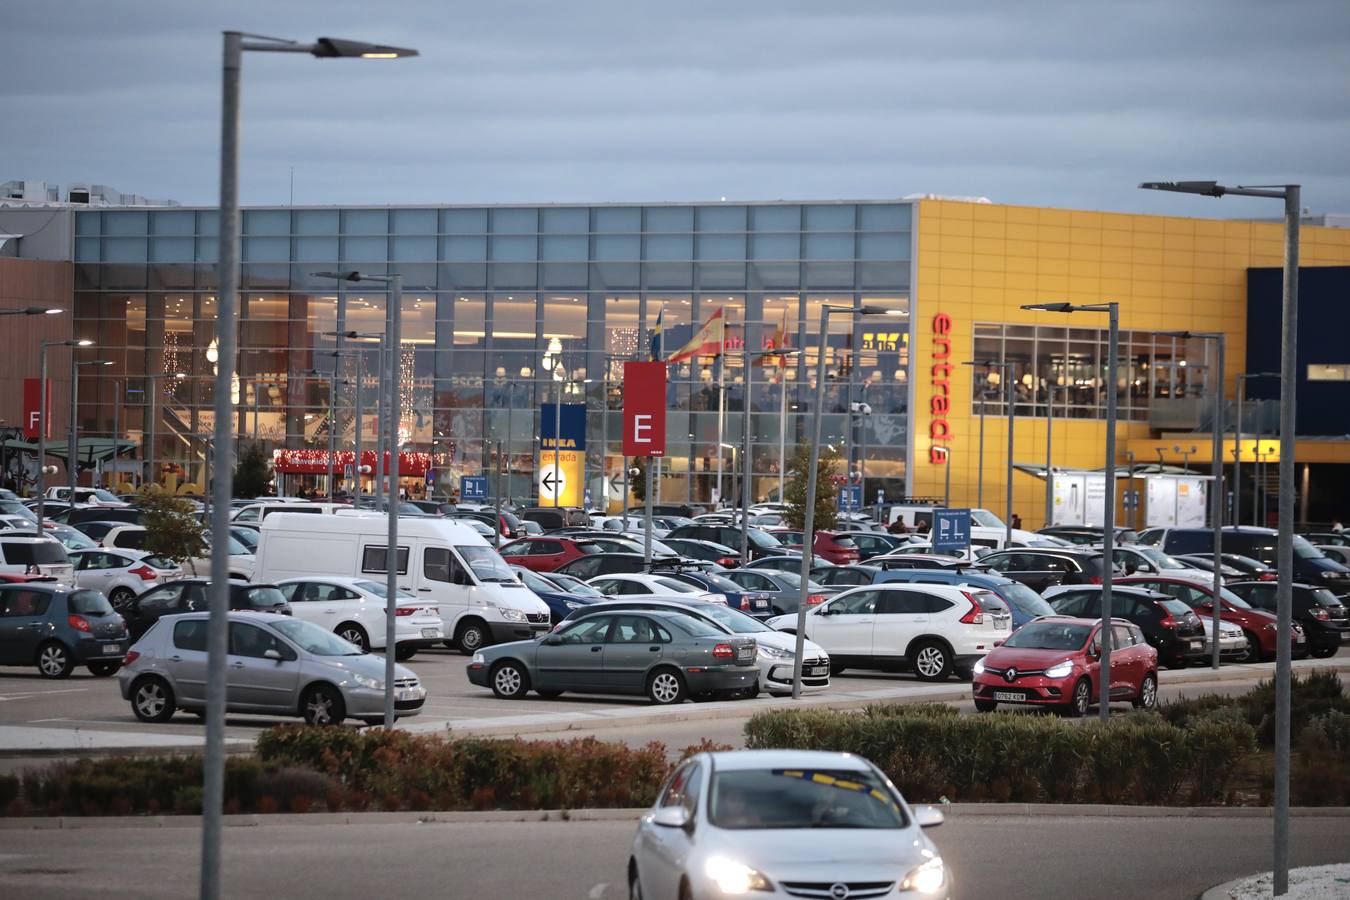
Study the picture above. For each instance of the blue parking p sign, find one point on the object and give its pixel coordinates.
(473, 487)
(850, 497)
(951, 531)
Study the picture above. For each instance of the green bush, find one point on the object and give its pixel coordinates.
(1310, 697)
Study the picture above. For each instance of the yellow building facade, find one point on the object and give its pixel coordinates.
(978, 263)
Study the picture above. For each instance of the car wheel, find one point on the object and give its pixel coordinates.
(322, 705)
(965, 673)
(473, 636)
(152, 700)
(634, 884)
(53, 660)
(404, 652)
(1324, 651)
(665, 687)
(549, 695)
(985, 705)
(104, 669)
(121, 598)
(1254, 654)
(510, 681)
(353, 634)
(1148, 693)
(1080, 701)
(932, 662)
(836, 670)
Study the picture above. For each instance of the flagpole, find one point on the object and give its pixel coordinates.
(782, 425)
(721, 417)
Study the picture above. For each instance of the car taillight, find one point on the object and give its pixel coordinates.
(131, 657)
(1167, 620)
(145, 573)
(1095, 579)
(814, 599)
(1268, 576)
(1320, 615)
(728, 562)
(79, 623)
(976, 614)
(407, 611)
(724, 651)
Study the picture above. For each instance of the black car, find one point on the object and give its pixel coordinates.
(189, 595)
(551, 517)
(761, 542)
(1248, 568)
(56, 628)
(1088, 535)
(1040, 568)
(1169, 625)
(705, 551)
(1311, 566)
(588, 567)
(97, 529)
(1321, 613)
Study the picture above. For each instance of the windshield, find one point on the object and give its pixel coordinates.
(105, 496)
(1305, 550)
(696, 627)
(762, 539)
(91, 603)
(37, 553)
(264, 597)
(1161, 559)
(795, 798)
(1049, 636)
(722, 584)
(572, 585)
(379, 590)
(985, 519)
(1024, 599)
(486, 564)
(1231, 597)
(236, 548)
(248, 537)
(12, 508)
(737, 621)
(313, 639)
(72, 539)
(535, 582)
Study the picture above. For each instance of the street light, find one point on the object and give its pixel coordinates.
(369, 336)
(1186, 455)
(1291, 195)
(1112, 309)
(32, 311)
(553, 364)
(71, 447)
(1237, 444)
(808, 532)
(42, 425)
(1008, 388)
(213, 768)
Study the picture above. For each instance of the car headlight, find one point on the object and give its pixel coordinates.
(1272, 626)
(775, 652)
(479, 658)
(366, 681)
(979, 666)
(512, 615)
(736, 878)
(1059, 669)
(926, 878)
(571, 604)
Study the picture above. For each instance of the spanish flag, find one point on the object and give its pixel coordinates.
(707, 341)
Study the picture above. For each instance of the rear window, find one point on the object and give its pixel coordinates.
(845, 542)
(90, 603)
(1092, 565)
(1191, 542)
(263, 597)
(990, 602)
(696, 627)
(762, 539)
(586, 547)
(1174, 606)
(1324, 597)
(676, 585)
(160, 562)
(39, 553)
(1025, 600)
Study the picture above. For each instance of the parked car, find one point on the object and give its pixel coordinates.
(782, 589)
(1089, 535)
(1258, 627)
(189, 595)
(761, 542)
(653, 585)
(249, 537)
(704, 551)
(24, 554)
(836, 546)
(875, 543)
(15, 508)
(1248, 569)
(560, 600)
(1206, 564)
(545, 554)
(1039, 569)
(355, 609)
(613, 654)
(78, 515)
(70, 538)
(786, 563)
(1170, 626)
(278, 666)
(588, 567)
(1311, 566)
(748, 602)
(1023, 603)
(784, 823)
(550, 517)
(615, 543)
(56, 628)
(913, 556)
(1320, 612)
(1144, 560)
(935, 630)
(1338, 552)
(242, 561)
(1056, 662)
(96, 530)
(1330, 538)
(122, 575)
(87, 496)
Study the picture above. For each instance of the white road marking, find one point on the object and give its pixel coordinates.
(27, 694)
(598, 891)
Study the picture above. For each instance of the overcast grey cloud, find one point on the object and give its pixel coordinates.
(1048, 103)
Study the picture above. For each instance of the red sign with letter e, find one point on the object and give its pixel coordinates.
(644, 409)
(32, 407)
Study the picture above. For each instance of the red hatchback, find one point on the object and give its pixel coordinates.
(837, 547)
(1055, 661)
(1258, 625)
(544, 554)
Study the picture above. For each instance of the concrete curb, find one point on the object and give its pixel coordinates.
(958, 810)
(1221, 891)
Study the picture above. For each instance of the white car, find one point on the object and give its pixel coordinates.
(935, 629)
(132, 537)
(652, 586)
(24, 554)
(1145, 560)
(784, 823)
(354, 610)
(635, 526)
(121, 575)
(1232, 642)
(88, 496)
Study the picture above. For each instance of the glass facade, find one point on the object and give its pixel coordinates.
(487, 290)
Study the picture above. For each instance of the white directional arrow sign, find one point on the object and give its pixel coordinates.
(552, 482)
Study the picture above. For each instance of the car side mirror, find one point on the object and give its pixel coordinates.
(553, 640)
(1094, 653)
(274, 655)
(926, 816)
(671, 817)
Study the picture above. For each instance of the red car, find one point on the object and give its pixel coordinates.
(1258, 625)
(544, 554)
(1055, 661)
(837, 547)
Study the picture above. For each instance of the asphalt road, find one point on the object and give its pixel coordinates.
(1009, 857)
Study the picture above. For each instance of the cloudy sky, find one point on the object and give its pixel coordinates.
(1049, 103)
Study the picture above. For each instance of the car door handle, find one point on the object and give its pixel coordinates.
(175, 659)
(424, 590)
(331, 612)
(404, 587)
(597, 649)
(236, 665)
(654, 649)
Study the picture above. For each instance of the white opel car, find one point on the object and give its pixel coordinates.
(354, 610)
(784, 823)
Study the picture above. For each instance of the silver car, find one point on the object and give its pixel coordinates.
(784, 823)
(277, 665)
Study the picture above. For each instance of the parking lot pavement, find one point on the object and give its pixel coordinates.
(85, 713)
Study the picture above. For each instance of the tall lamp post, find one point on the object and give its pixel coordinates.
(358, 468)
(1112, 309)
(1241, 391)
(1291, 195)
(1009, 398)
(808, 527)
(42, 426)
(72, 464)
(1049, 457)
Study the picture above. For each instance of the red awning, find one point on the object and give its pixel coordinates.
(315, 462)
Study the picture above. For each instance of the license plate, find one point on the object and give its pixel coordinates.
(413, 694)
(1010, 696)
(760, 604)
(817, 671)
(431, 632)
(1196, 645)
(1299, 638)
(112, 649)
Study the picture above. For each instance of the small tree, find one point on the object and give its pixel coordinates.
(795, 492)
(637, 484)
(171, 525)
(253, 473)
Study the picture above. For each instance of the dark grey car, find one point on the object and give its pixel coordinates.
(784, 589)
(57, 628)
(666, 655)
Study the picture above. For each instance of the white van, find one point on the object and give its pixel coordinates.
(481, 601)
(256, 512)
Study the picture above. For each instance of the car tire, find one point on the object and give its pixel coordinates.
(1080, 701)
(54, 660)
(1324, 651)
(932, 661)
(549, 695)
(509, 680)
(964, 673)
(665, 687)
(403, 652)
(322, 705)
(836, 670)
(1148, 693)
(353, 634)
(121, 598)
(104, 669)
(985, 706)
(1254, 653)
(472, 636)
(634, 884)
(152, 699)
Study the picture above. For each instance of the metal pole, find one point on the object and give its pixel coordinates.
(782, 427)
(721, 417)
(332, 425)
(604, 435)
(808, 527)
(647, 516)
(1109, 511)
(557, 434)
(391, 555)
(213, 774)
(117, 425)
(151, 413)
(72, 461)
(947, 477)
(1217, 487)
(1285, 548)
(497, 532)
(1237, 453)
(979, 490)
(1049, 467)
(42, 440)
(1012, 418)
(746, 475)
(356, 467)
(863, 420)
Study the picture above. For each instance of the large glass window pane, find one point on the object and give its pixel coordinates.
(365, 249)
(316, 249)
(365, 221)
(884, 217)
(171, 250)
(670, 218)
(316, 221)
(464, 249)
(267, 221)
(87, 249)
(831, 217)
(267, 249)
(721, 218)
(564, 317)
(776, 218)
(414, 221)
(514, 249)
(564, 247)
(573, 220)
(775, 246)
(618, 219)
(893, 245)
(177, 222)
(515, 221)
(464, 221)
(721, 246)
(414, 249)
(124, 250)
(618, 247)
(670, 246)
(829, 246)
(129, 222)
(88, 223)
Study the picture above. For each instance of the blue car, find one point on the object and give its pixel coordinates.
(561, 598)
(748, 602)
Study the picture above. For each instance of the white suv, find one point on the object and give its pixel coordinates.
(934, 629)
